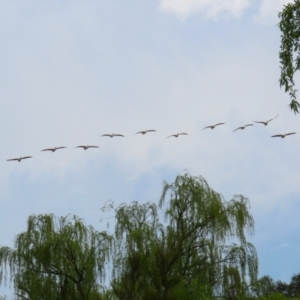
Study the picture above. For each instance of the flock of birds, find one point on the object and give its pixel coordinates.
(176, 135)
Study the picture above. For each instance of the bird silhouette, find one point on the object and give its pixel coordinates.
(213, 126)
(87, 147)
(283, 135)
(266, 122)
(19, 158)
(145, 131)
(112, 135)
(243, 127)
(53, 149)
(177, 135)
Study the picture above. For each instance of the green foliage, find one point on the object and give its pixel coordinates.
(290, 49)
(265, 286)
(202, 245)
(282, 287)
(195, 291)
(198, 252)
(276, 296)
(57, 258)
(294, 286)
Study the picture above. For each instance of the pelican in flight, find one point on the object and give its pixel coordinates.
(53, 149)
(112, 135)
(266, 122)
(87, 147)
(283, 135)
(19, 158)
(145, 131)
(243, 127)
(177, 135)
(213, 126)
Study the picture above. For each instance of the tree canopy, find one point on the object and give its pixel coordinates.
(201, 246)
(56, 258)
(191, 245)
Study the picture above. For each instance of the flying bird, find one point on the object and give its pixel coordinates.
(87, 147)
(266, 122)
(53, 149)
(213, 126)
(243, 127)
(112, 135)
(177, 135)
(145, 131)
(283, 135)
(19, 158)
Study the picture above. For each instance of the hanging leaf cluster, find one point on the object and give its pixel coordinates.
(289, 54)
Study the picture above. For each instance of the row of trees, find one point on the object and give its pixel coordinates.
(268, 288)
(198, 251)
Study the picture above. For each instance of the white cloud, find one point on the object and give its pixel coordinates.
(269, 9)
(281, 246)
(211, 8)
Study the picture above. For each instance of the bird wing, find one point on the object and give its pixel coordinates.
(290, 133)
(259, 122)
(12, 159)
(80, 146)
(170, 135)
(248, 125)
(150, 130)
(106, 134)
(183, 133)
(219, 124)
(93, 147)
(277, 135)
(60, 147)
(140, 132)
(237, 129)
(25, 157)
(207, 127)
(273, 118)
(118, 135)
(48, 149)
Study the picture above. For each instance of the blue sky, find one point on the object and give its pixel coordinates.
(72, 71)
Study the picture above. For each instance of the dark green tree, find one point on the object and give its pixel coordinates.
(198, 252)
(265, 286)
(282, 287)
(294, 286)
(289, 54)
(57, 258)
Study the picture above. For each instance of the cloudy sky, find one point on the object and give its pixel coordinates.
(74, 70)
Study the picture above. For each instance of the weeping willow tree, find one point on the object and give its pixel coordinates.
(289, 54)
(199, 251)
(56, 258)
(135, 234)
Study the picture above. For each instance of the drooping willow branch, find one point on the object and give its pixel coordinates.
(289, 54)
